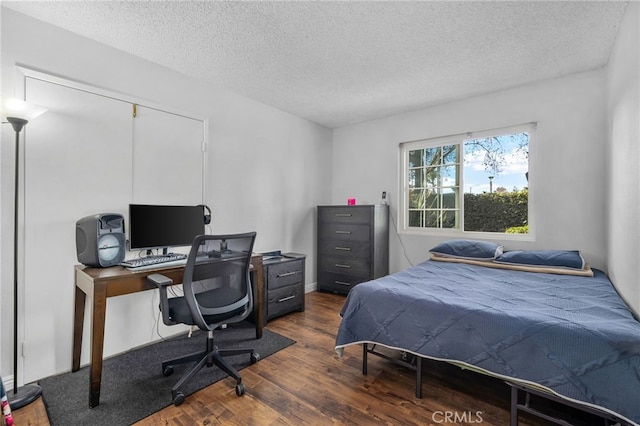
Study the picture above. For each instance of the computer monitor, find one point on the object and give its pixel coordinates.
(164, 226)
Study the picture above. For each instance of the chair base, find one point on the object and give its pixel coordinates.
(209, 357)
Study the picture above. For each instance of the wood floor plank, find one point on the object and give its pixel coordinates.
(308, 383)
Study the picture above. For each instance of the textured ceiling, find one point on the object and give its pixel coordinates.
(338, 63)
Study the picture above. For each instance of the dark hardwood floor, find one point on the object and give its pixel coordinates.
(308, 383)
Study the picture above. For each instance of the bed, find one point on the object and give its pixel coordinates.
(570, 335)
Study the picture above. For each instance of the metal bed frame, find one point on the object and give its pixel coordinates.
(517, 390)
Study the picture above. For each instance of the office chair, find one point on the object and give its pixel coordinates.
(217, 291)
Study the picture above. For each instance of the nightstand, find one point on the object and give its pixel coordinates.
(283, 284)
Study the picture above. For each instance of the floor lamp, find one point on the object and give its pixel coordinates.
(18, 114)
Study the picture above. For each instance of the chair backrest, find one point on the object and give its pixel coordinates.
(216, 281)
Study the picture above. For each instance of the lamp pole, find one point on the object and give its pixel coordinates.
(26, 394)
(18, 113)
(17, 124)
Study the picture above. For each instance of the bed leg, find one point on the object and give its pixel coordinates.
(514, 406)
(364, 358)
(418, 377)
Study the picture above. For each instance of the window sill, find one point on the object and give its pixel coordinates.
(450, 233)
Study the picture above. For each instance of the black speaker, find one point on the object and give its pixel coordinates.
(100, 240)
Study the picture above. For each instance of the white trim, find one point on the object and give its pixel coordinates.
(309, 287)
(459, 139)
(518, 128)
(7, 382)
(454, 233)
(431, 142)
(107, 93)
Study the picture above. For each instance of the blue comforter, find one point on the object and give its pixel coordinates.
(572, 335)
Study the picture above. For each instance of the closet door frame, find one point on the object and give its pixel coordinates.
(25, 72)
(22, 74)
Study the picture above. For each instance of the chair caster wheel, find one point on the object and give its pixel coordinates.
(167, 371)
(178, 399)
(239, 389)
(255, 357)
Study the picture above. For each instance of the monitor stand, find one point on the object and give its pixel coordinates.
(165, 251)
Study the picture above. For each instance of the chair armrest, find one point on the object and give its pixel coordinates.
(160, 280)
(162, 283)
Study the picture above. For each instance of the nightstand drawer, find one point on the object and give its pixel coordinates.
(344, 214)
(284, 300)
(349, 232)
(284, 274)
(345, 248)
(346, 266)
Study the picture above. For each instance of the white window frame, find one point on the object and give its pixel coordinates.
(459, 139)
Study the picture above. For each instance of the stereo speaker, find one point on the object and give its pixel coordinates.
(100, 240)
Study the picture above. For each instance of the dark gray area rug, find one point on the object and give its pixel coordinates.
(133, 386)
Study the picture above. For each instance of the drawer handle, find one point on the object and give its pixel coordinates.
(284, 299)
(339, 265)
(343, 248)
(341, 283)
(286, 274)
(343, 214)
(343, 232)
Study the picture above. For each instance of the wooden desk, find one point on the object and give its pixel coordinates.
(100, 283)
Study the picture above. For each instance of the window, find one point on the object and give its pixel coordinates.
(474, 182)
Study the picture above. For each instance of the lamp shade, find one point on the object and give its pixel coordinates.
(15, 108)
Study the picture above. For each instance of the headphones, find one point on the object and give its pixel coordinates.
(207, 215)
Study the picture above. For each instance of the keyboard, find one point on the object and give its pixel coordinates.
(159, 260)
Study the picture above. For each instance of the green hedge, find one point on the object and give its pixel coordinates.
(496, 212)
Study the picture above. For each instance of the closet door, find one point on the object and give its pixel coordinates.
(77, 162)
(168, 158)
(89, 155)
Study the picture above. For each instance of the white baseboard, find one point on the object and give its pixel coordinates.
(7, 382)
(308, 288)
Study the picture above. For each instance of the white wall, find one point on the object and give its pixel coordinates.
(267, 169)
(568, 161)
(623, 139)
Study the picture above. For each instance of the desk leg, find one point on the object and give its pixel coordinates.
(78, 325)
(258, 299)
(97, 342)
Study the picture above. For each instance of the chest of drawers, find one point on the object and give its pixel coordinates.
(353, 245)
